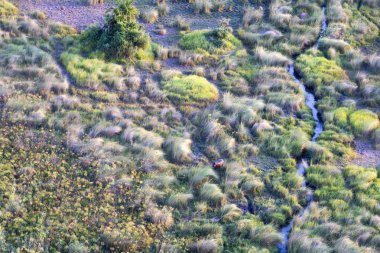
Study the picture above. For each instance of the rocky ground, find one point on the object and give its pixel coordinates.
(76, 13)
(367, 155)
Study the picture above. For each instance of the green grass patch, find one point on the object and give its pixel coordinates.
(317, 70)
(190, 90)
(363, 122)
(217, 41)
(91, 73)
(359, 178)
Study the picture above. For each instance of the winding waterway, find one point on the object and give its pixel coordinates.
(303, 164)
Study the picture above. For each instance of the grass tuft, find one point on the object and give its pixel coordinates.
(193, 90)
(218, 41)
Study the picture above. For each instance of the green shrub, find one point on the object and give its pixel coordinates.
(217, 41)
(121, 36)
(363, 122)
(318, 153)
(190, 90)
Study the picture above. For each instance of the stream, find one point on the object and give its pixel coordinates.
(302, 165)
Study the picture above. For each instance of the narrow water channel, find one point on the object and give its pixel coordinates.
(303, 164)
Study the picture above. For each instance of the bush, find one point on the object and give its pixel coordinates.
(121, 35)
(202, 175)
(204, 6)
(266, 236)
(191, 89)
(217, 41)
(327, 193)
(251, 15)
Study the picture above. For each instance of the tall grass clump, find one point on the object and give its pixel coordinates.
(252, 15)
(180, 200)
(202, 175)
(363, 122)
(301, 242)
(95, 2)
(271, 58)
(178, 149)
(359, 178)
(213, 195)
(150, 16)
(203, 6)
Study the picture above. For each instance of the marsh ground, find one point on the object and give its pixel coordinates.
(136, 139)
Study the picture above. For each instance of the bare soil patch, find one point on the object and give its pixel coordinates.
(368, 156)
(75, 13)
